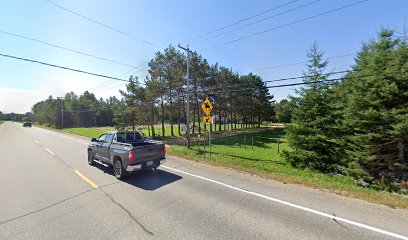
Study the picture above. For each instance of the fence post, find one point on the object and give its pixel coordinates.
(252, 142)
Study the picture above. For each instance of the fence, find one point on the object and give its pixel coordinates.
(248, 142)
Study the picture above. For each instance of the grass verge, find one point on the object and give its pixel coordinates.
(86, 132)
(257, 153)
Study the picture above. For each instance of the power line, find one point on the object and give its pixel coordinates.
(298, 63)
(306, 76)
(113, 82)
(65, 48)
(287, 24)
(241, 20)
(286, 85)
(255, 22)
(232, 87)
(127, 72)
(104, 89)
(102, 24)
(61, 67)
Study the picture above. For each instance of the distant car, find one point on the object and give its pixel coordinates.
(27, 124)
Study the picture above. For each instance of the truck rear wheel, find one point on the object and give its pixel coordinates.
(119, 171)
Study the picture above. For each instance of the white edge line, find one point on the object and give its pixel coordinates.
(361, 225)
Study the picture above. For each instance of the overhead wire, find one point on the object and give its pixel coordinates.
(298, 63)
(127, 72)
(102, 24)
(241, 20)
(65, 48)
(286, 25)
(61, 67)
(255, 22)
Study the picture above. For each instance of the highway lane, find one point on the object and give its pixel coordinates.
(42, 198)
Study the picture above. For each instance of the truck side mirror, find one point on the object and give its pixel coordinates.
(93, 140)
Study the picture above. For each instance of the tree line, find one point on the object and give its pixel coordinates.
(242, 100)
(238, 99)
(77, 111)
(357, 126)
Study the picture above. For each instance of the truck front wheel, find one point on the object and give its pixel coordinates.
(90, 158)
(118, 169)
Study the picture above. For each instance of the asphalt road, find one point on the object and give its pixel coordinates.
(48, 191)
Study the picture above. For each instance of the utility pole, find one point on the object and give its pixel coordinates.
(62, 112)
(188, 94)
(62, 115)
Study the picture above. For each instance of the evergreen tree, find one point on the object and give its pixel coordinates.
(376, 109)
(315, 133)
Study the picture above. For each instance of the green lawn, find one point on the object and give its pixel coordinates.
(86, 132)
(1, 122)
(97, 131)
(264, 159)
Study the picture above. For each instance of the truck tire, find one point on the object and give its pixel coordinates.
(119, 171)
(91, 161)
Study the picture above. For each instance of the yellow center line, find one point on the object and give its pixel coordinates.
(86, 179)
(37, 142)
(49, 151)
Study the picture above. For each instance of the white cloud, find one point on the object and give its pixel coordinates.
(17, 100)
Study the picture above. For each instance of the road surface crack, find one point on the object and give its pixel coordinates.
(338, 222)
(129, 213)
(51, 205)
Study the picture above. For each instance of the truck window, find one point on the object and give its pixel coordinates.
(129, 137)
(109, 137)
(102, 138)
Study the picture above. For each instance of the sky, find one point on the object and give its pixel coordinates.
(282, 30)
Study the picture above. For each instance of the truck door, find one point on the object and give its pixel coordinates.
(98, 146)
(105, 153)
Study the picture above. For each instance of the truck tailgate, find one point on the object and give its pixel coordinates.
(149, 152)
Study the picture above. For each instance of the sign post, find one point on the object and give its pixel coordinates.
(207, 108)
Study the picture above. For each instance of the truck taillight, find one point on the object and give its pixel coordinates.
(164, 150)
(131, 156)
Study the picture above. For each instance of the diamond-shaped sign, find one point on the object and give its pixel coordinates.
(207, 106)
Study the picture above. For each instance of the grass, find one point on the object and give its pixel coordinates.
(1, 122)
(264, 160)
(97, 131)
(86, 132)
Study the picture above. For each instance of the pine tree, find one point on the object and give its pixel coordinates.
(315, 133)
(377, 110)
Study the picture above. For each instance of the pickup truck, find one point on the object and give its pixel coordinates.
(126, 151)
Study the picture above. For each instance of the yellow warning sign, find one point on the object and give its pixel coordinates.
(207, 119)
(207, 106)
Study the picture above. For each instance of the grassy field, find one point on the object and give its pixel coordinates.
(263, 159)
(97, 131)
(86, 132)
